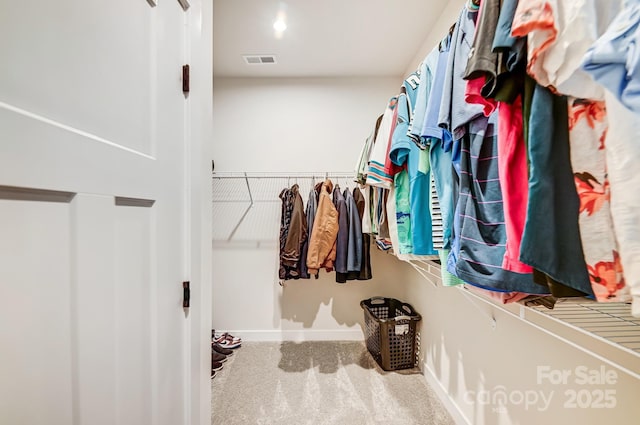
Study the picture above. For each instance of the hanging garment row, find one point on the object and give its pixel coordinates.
(326, 234)
(509, 153)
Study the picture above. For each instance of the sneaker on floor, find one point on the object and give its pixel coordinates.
(228, 341)
(226, 335)
(217, 348)
(217, 357)
(229, 344)
(215, 366)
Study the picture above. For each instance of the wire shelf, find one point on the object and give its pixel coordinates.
(246, 206)
(610, 321)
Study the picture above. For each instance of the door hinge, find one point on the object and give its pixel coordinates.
(185, 79)
(186, 294)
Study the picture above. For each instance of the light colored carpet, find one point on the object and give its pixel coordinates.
(319, 383)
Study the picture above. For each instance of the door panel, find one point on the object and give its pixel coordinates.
(93, 313)
(91, 103)
(35, 313)
(133, 313)
(54, 67)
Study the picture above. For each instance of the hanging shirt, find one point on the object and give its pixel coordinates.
(414, 223)
(513, 48)
(431, 130)
(588, 126)
(623, 156)
(392, 201)
(481, 215)
(473, 95)
(376, 174)
(362, 164)
(416, 125)
(514, 181)
(439, 142)
(342, 239)
(310, 213)
(613, 60)
(420, 109)
(383, 240)
(296, 235)
(551, 239)
(454, 112)
(365, 267)
(354, 249)
(400, 214)
(437, 233)
(365, 191)
(559, 33)
(483, 60)
(285, 219)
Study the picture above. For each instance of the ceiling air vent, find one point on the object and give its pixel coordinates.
(259, 59)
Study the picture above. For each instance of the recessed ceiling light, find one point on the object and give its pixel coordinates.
(280, 25)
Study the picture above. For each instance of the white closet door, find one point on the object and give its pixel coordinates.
(93, 226)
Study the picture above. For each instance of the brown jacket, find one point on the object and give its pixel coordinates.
(297, 233)
(322, 245)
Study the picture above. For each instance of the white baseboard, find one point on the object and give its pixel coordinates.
(449, 403)
(299, 335)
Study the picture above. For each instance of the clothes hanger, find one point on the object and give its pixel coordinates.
(448, 36)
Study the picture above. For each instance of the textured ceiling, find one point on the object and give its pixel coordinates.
(329, 38)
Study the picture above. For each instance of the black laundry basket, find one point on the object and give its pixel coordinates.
(390, 332)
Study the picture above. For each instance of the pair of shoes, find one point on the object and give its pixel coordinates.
(229, 343)
(217, 335)
(217, 348)
(217, 357)
(226, 340)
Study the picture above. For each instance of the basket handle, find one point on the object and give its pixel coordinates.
(400, 318)
(408, 309)
(372, 301)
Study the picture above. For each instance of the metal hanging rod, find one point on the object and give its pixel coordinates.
(246, 202)
(281, 175)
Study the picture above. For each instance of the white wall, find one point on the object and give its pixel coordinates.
(464, 355)
(293, 125)
(248, 299)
